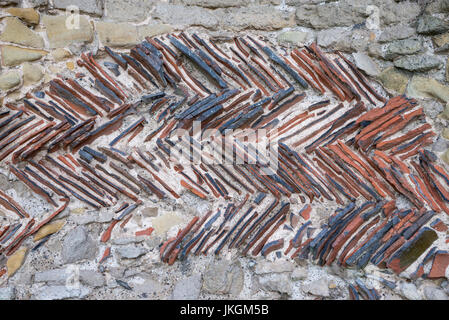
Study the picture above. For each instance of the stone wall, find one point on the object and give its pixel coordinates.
(403, 45)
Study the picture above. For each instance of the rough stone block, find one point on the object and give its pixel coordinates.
(26, 14)
(13, 56)
(9, 80)
(16, 32)
(153, 30)
(188, 288)
(178, 15)
(117, 34)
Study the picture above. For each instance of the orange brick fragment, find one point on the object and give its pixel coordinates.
(146, 232)
(439, 266)
(193, 190)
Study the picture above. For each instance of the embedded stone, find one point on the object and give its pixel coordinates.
(338, 38)
(148, 287)
(277, 282)
(318, 287)
(440, 145)
(130, 252)
(420, 63)
(360, 39)
(183, 16)
(343, 39)
(49, 228)
(92, 278)
(393, 12)
(26, 14)
(433, 293)
(428, 24)
(7, 293)
(188, 288)
(70, 65)
(79, 210)
(78, 245)
(16, 32)
(136, 11)
(153, 242)
(15, 261)
(300, 273)
(409, 291)
(60, 54)
(61, 33)
(393, 80)
(295, 38)
(153, 30)
(446, 133)
(52, 277)
(31, 73)
(441, 41)
(60, 292)
(328, 15)
(150, 211)
(223, 277)
(375, 50)
(117, 34)
(397, 32)
(402, 47)
(432, 108)
(265, 266)
(256, 17)
(13, 56)
(422, 87)
(9, 80)
(437, 6)
(365, 63)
